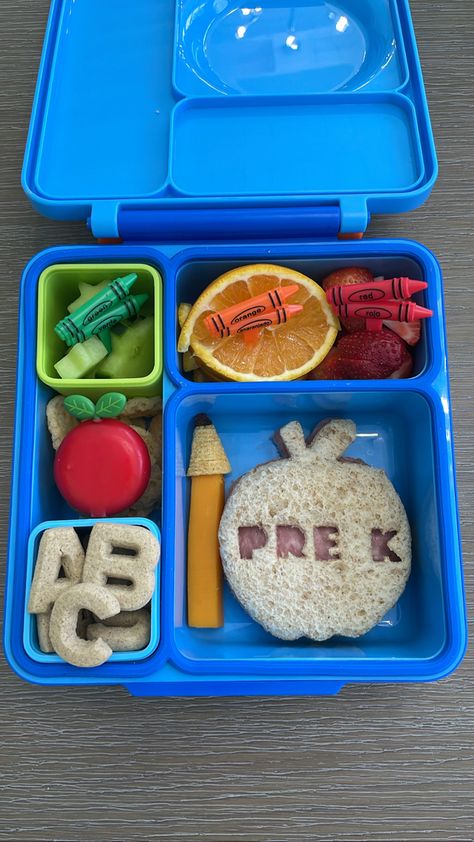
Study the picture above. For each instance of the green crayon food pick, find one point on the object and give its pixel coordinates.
(106, 339)
(72, 328)
(129, 308)
(126, 309)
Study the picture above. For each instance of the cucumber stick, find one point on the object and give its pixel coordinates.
(133, 352)
(87, 291)
(81, 359)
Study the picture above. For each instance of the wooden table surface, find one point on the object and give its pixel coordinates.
(376, 762)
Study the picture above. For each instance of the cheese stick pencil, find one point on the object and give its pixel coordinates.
(207, 467)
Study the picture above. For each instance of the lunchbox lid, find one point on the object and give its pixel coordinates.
(159, 119)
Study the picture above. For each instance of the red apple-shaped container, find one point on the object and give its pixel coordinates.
(102, 466)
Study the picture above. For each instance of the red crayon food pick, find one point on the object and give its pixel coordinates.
(102, 466)
(402, 311)
(348, 277)
(389, 289)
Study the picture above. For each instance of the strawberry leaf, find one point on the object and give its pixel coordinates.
(80, 407)
(110, 405)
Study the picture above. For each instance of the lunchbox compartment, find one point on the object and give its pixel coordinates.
(283, 47)
(58, 286)
(193, 276)
(20, 637)
(45, 499)
(83, 527)
(396, 431)
(107, 105)
(303, 145)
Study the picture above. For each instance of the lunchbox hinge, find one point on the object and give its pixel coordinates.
(103, 221)
(114, 220)
(354, 216)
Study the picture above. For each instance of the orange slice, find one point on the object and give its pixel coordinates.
(280, 352)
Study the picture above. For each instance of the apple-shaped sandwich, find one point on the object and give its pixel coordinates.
(102, 466)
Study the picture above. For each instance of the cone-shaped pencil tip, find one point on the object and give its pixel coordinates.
(207, 453)
(202, 420)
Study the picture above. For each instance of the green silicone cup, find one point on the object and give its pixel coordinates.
(58, 285)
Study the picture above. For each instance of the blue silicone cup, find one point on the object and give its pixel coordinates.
(30, 636)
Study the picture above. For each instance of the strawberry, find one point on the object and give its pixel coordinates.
(356, 369)
(384, 352)
(405, 368)
(366, 355)
(351, 275)
(353, 324)
(410, 332)
(343, 277)
(325, 370)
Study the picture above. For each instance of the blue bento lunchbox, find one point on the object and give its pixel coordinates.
(196, 137)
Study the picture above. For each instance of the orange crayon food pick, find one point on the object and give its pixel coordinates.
(283, 351)
(247, 310)
(274, 317)
(207, 466)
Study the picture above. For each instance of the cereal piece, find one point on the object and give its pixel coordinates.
(152, 494)
(135, 422)
(190, 362)
(207, 453)
(59, 547)
(42, 627)
(59, 422)
(199, 376)
(156, 428)
(151, 497)
(104, 561)
(138, 407)
(63, 625)
(126, 632)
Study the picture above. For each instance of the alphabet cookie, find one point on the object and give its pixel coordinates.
(63, 624)
(315, 545)
(59, 548)
(134, 572)
(126, 632)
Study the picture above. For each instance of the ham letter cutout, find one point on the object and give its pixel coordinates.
(251, 538)
(290, 539)
(325, 539)
(380, 548)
